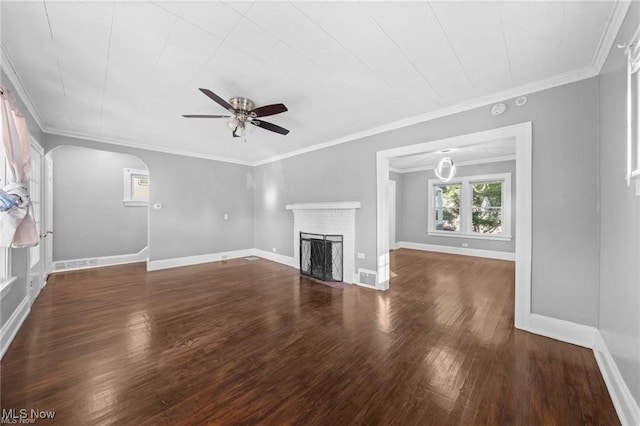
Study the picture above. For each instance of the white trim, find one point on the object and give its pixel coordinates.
(471, 236)
(548, 83)
(5, 286)
(134, 203)
(138, 145)
(275, 257)
(347, 205)
(14, 78)
(611, 32)
(624, 402)
(96, 262)
(523, 135)
(464, 251)
(458, 164)
(13, 324)
(565, 331)
(177, 262)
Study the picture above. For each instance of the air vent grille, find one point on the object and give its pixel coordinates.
(367, 277)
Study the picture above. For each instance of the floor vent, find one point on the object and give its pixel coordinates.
(251, 258)
(367, 277)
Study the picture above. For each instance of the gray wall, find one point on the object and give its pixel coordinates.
(565, 133)
(619, 293)
(89, 217)
(19, 257)
(195, 194)
(413, 208)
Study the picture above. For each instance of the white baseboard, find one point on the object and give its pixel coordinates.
(626, 406)
(465, 251)
(156, 265)
(590, 337)
(565, 331)
(11, 327)
(275, 257)
(95, 262)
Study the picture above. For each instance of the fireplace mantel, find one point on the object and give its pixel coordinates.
(346, 205)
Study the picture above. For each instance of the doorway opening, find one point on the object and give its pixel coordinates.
(521, 135)
(99, 208)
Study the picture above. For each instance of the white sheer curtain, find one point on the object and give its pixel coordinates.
(17, 227)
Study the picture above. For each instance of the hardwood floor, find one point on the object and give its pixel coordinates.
(252, 342)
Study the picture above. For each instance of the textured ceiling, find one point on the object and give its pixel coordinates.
(126, 71)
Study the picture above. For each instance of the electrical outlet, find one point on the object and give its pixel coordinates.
(465, 244)
(274, 250)
(226, 216)
(223, 257)
(360, 255)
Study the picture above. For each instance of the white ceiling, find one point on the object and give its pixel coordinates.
(126, 71)
(486, 152)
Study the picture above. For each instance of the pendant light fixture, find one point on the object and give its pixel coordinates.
(445, 169)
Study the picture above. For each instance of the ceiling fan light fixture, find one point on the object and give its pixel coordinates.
(233, 123)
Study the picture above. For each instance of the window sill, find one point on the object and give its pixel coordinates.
(5, 286)
(469, 236)
(134, 203)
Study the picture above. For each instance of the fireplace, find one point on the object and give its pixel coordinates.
(331, 219)
(321, 256)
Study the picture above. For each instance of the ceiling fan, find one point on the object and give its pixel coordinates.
(243, 112)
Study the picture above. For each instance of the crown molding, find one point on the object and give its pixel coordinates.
(14, 78)
(136, 145)
(611, 32)
(458, 164)
(555, 81)
(538, 86)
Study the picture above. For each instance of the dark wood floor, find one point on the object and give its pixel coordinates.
(251, 342)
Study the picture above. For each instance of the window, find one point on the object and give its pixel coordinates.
(486, 216)
(471, 207)
(447, 211)
(136, 187)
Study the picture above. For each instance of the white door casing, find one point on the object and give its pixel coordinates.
(36, 188)
(392, 214)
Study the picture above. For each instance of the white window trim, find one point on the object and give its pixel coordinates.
(465, 207)
(127, 201)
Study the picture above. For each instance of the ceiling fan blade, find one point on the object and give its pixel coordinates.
(267, 110)
(270, 126)
(226, 105)
(205, 116)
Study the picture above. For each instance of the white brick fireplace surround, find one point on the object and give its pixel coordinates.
(328, 219)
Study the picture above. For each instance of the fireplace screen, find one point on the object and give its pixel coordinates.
(321, 256)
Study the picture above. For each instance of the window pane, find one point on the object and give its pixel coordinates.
(447, 207)
(487, 207)
(139, 187)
